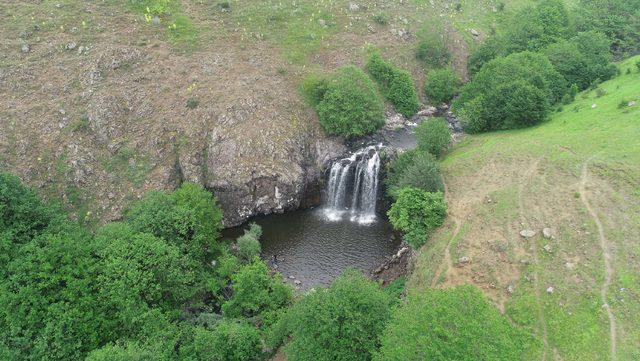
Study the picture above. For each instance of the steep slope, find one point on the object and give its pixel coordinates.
(577, 286)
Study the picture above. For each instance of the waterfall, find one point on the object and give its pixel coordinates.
(352, 187)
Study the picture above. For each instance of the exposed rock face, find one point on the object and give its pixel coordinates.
(126, 128)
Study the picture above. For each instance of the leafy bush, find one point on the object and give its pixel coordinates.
(453, 324)
(23, 216)
(49, 304)
(617, 19)
(396, 85)
(441, 85)
(524, 83)
(229, 341)
(492, 48)
(256, 292)
(347, 103)
(583, 59)
(516, 104)
(139, 269)
(417, 213)
(433, 136)
(432, 46)
(342, 322)
(535, 27)
(189, 218)
(414, 169)
(248, 247)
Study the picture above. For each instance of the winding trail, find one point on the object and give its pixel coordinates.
(522, 184)
(606, 251)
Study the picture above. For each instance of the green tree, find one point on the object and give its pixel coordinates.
(23, 216)
(619, 20)
(256, 292)
(535, 27)
(248, 247)
(140, 269)
(396, 84)
(342, 322)
(433, 136)
(49, 303)
(520, 73)
(414, 169)
(347, 103)
(417, 213)
(441, 85)
(229, 341)
(453, 324)
(189, 218)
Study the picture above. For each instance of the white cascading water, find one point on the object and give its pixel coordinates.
(352, 188)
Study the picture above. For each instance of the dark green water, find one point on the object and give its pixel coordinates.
(314, 250)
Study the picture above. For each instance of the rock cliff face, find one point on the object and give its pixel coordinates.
(102, 126)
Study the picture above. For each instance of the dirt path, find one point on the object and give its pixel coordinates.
(523, 183)
(606, 251)
(447, 263)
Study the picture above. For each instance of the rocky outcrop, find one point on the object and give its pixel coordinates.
(102, 127)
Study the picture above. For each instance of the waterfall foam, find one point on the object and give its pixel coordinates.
(352, 187)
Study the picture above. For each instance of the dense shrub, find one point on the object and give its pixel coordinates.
(342, 322)
(256, 292)
(139, 269)
(617, 19)
(433, 136)
(396, 85)
(492, 48)
(229, 341)
(441, 85)
(583, 59)
(50, 305)
(516, 104)
(534, 85)
(23, 216)
(249, 243)
(189, 218)
(432, 46)
(536, 26)
(414, 169)
(347, 103)
(417, 213)
(453, 324)
(248, 247)
(530, 29)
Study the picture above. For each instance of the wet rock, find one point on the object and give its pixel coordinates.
(547, 233)
(292, 277)
(527, 233)
(297, 282)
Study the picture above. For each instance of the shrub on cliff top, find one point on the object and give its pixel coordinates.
(347, 102)
(441, 85)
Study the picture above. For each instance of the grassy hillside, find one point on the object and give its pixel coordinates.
(577, 174)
